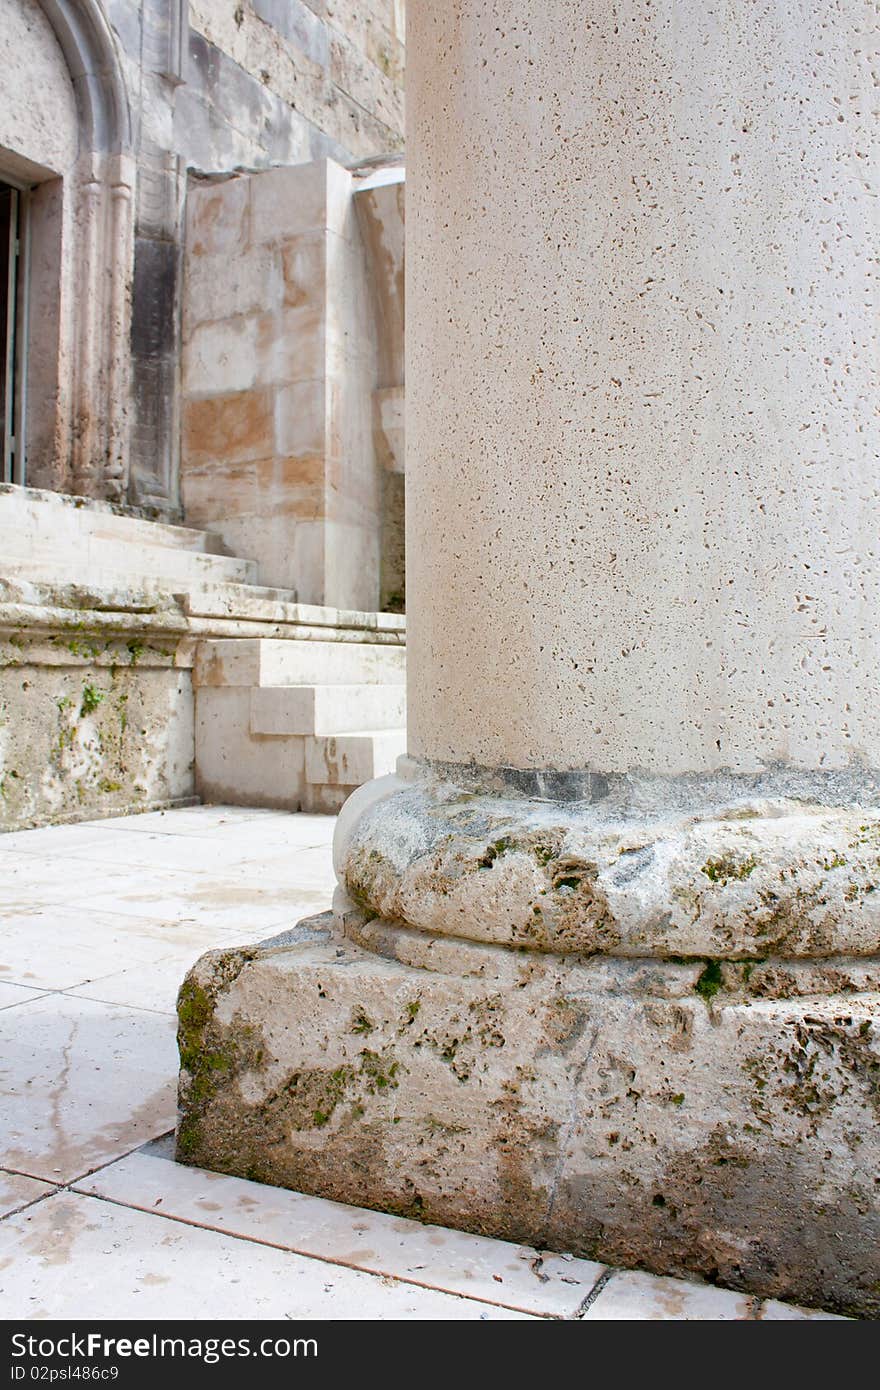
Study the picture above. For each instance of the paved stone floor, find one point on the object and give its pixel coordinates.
(98, 924)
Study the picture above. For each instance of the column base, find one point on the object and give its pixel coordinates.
(701, 1117)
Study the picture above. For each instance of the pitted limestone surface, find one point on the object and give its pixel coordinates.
(607, 1107)
(641, 384)
(760, 878)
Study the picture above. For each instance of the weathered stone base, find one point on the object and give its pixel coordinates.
(717, 1119)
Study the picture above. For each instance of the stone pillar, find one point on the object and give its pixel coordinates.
(603, 971)
(642, 388)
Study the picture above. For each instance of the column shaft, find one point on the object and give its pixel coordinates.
(642, 385)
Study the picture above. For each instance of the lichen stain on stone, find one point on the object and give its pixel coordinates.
(210, 1052)
(803, 921)
(564, 1023)
(310, 1096)
(524, 1146)
(566, 908)
(579, 917)
(727, 868)
(676, 1022)
(462, 1039)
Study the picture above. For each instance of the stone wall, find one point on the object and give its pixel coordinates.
(211, 86)
(286, 351)
(285, 81)
(261, 83)
(381, 206)
(92, 722)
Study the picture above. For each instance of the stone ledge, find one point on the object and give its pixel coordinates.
(216, 610)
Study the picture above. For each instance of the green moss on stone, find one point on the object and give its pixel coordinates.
(724, 868)
(92, 697)
(710, 981)
(379, 1071)
(194, 1007)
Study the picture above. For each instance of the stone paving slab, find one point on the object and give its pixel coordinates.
(774, 1311)
(154, 986)
(17, 1191)
(230, 822)
(73, 1256)
(630, 1295)
(250, 901)
(492, 1271)
(62, 947)
(32, 881)
(11, 994)
(56, 839)
(88, 1075)
(81, 1083)
(214, 854)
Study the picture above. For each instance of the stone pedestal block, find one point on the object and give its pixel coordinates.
(680, 1116)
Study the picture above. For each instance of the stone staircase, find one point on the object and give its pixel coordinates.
(295, 705)
(49, 537)
(297, 725)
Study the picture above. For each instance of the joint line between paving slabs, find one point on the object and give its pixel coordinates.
(593, 1294)
(307, 1255)
(34, 1201)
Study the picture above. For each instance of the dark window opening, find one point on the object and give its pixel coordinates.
(11, 384)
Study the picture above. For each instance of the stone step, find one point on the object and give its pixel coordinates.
(327, 709)
(297, 724)
(261, 662)
(263, 604)
(116, 564)
(48, 537)
(57, 516)
(350, 759)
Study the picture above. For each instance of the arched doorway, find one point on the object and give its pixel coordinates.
(65, 224)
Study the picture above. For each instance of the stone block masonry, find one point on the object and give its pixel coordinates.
(615, 1109)
(211, 86)
(284, 344)
(100, 708)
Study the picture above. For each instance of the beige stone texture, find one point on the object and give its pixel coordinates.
(77, 250)
(90, 726)
(604, 970)
(96, 686)
(352, 90)
(297, 725)
(380, 200)
(740, 882)
(221, 356)
(641, 386)
(227, 429)
(380, 204)
(279, 450)
(104, 109)
(602, 1107)
(38, 119)
(218, 220)
(389, 427)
